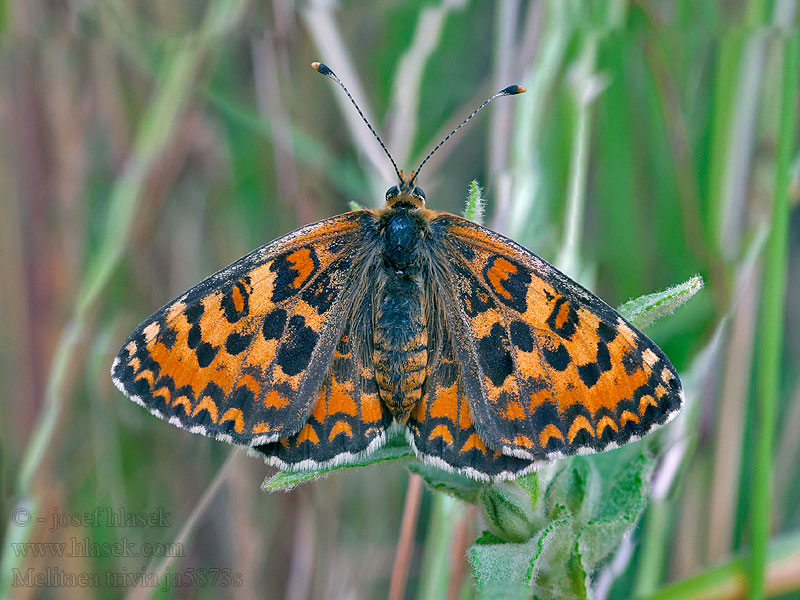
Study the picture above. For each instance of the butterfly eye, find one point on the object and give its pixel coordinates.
(392, 192)
(418, 193)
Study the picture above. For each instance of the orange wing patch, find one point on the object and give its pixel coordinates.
(499, 271)
(304, 264)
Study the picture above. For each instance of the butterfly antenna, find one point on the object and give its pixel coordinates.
(509, 91)
(326, 70)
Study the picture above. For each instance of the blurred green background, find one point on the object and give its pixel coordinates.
(147, 144)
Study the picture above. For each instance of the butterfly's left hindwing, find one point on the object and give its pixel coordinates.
(552, 370)
(242, 355)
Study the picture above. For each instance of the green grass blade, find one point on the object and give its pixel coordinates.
(771, 329)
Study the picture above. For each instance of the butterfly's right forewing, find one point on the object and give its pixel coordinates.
(242, 355)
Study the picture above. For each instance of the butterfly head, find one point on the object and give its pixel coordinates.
(406, 192)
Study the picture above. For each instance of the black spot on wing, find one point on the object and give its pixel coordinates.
(203, 417)
(557, 358)
(608, 434)
(137, 387)
(589, 374)
(514, 283)
(194, 312)
(521, 336)
(603, 357)
(631, 362)
(286, 272)
(237, 342)
(194, 337)
(606, 332)
(294, 353)
(554, 444)
(494, 357)
(205, 353)
(322, 292)
(606, 437)
(573, 411)
(242, 398)
(545, 414)
(168, 336)
(274, 323)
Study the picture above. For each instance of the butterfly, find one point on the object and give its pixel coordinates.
(311, 348)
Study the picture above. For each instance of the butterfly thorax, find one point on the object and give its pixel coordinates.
(400, 330)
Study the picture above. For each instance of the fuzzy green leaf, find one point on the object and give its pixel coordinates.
(504, 570)
(448, 482)
(395, 447)
(530, 483)
(575, 486)
(624, 491)
(548, 566)
(645, 310)
(487, 537)
(598, 540)
(554, 558)
(619, 506)
(577, 578)
(588, 506)
(508, 511)
(476, 204)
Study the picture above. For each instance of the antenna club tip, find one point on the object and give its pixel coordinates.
(321, 68)
(512, 90)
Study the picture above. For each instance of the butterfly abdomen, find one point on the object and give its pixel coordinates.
(400, 329)
(400, 346)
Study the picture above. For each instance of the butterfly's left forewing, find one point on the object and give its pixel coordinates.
(552, 369)
(241, 356)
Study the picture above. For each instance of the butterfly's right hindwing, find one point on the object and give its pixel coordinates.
(348, 416)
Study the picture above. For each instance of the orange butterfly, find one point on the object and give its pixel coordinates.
(309, 348)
